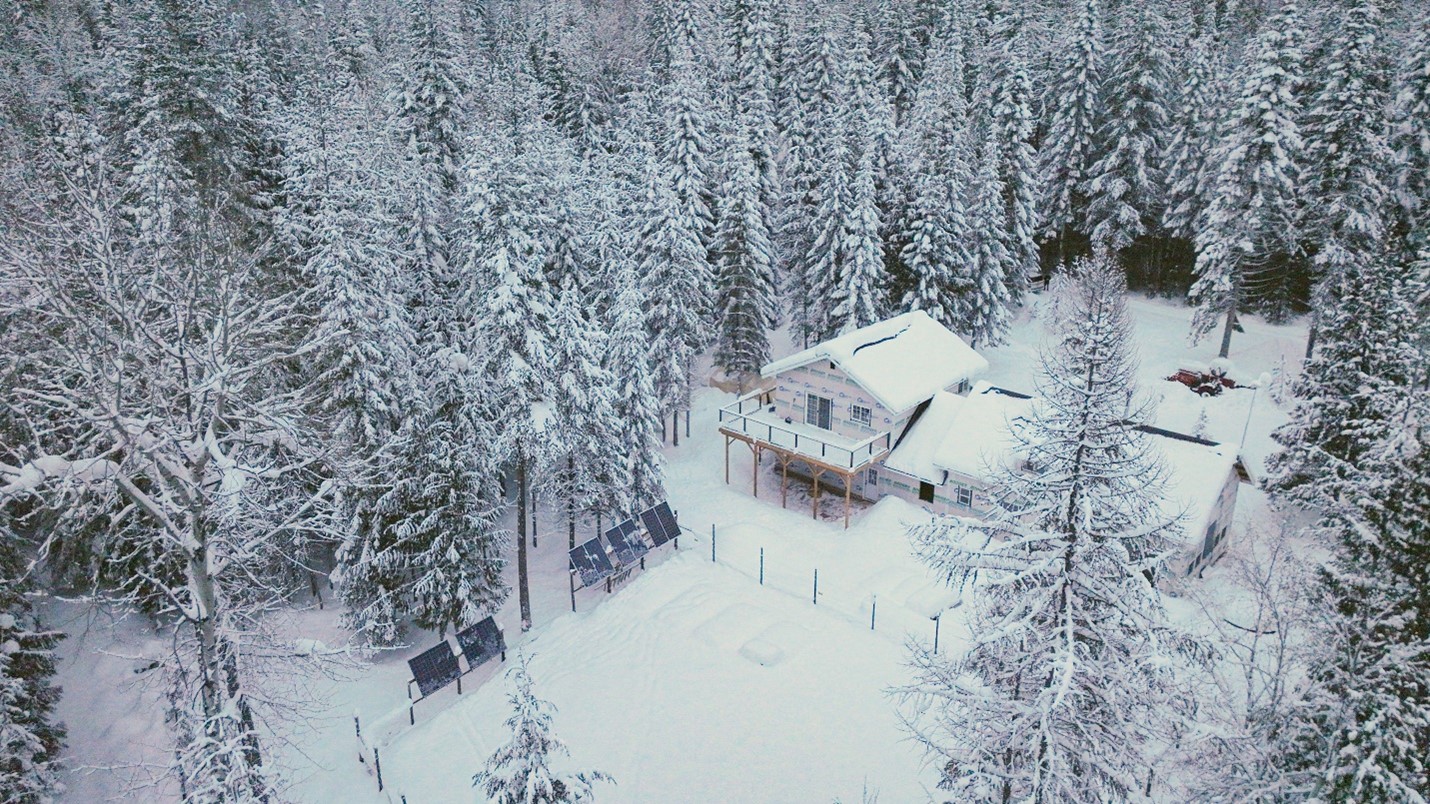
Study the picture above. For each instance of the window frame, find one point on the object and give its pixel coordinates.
(866, 420)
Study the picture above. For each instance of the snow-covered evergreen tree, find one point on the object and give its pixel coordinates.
(520, 771)
(1012, 133)
(1125, 187)
(859, 286)
(30, 737)
(933, 253)
(635, 406)
(676, 284)
(1070, 145)
(688, 143)
(985, 314)
(745, 282)
(1250, 230)
(1347, 158)
(1410, 140)
(1072, 679)
(1189, 162)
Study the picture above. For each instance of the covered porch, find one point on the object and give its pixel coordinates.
(751, 421)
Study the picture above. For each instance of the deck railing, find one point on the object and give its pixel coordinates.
(736, 416)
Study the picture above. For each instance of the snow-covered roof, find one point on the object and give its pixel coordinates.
(980, 441)
(914, 455)
(973, 436)
(902, 361)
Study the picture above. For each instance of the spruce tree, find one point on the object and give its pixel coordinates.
(1012, 135)
(1410, 141)
(30, 737)
(1069, 148)
(519, 772)
(635, 406)
(745, 282)
(1125, 187)
(676, 283)
(933, 253)
(985, 314)
(1250, 229)
(1073, 677)
(859, 285)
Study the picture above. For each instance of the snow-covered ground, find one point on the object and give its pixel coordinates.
(692, 682)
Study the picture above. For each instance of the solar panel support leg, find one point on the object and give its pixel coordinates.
(412, 714)
(459, 685)
(572, 580)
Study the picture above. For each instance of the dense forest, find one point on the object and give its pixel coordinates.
(295, 290)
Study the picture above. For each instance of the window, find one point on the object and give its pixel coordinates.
(965, 496)
(861, 415)
(817, 411)
(926, 492)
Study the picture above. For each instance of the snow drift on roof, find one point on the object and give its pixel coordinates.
(901, 362)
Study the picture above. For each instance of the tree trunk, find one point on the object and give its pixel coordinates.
(523, 588)
(675, 428)
(571, 499)
(1226, 333)
(1311, 336)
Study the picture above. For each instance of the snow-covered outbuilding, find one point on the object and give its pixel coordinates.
(896, 408)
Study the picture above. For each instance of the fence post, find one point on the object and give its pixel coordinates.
(377, 764)
(873, 609)
(936, 620)
(762, 566)
(712, 542)
(816, 586)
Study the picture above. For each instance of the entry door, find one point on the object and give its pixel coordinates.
(818, 410)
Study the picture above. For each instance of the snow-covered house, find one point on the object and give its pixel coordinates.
(841, 407)
(896, 408)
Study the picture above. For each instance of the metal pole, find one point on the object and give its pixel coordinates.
(712, 542)
(816, 586)
(936, 621)
(762, 566)
(873, 609)
(571, 581)
(1249, 409)
(377, 763)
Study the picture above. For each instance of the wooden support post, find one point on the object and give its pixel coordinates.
(848, 493)
(784, 479)
(817, 471)
(755, 475)
(727, 460)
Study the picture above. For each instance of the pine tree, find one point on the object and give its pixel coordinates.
(753, 81)
(1357, 451)
(1069, 148)
(933, 253)
(745, 282)
(1125, 187)
(635, 405)
(518, 772)
(1347, 157)
(1072, 678)
(1347, 390)
(859, 286)
(687, 145)
(1012, 134)
(985, 306)
(1410, 141)
(584, 427)
(442, 509)
(676, 283)
(30, 737)
(1250, 228)
(1189, 163)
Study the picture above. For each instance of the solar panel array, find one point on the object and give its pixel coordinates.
(626, 543)
(660, 524)
(481, 642)
(434, 668)
(591, 562)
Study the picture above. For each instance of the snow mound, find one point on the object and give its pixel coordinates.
(765, 654)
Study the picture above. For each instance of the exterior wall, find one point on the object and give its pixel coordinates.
(823, 379)
(945, 496)
(1207, 547)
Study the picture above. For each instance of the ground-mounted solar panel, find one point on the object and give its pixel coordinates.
(434, 668)
(480, 642)
(591, 562)
(667, 520)
(654, 527)
(627, 546)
